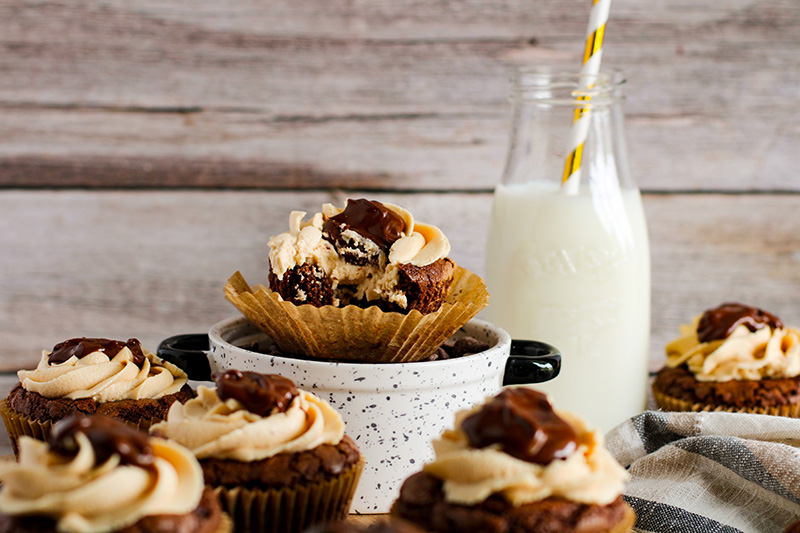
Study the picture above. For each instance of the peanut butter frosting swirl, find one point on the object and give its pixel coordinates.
(743, 355)
(83, 497)
(103, 378)
(588, 475)
(223, 429)
(417, 244)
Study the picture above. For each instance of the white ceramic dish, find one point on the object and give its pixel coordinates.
(392, 411)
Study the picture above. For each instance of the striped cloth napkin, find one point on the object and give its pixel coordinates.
(710, 472)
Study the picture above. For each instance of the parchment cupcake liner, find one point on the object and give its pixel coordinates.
(670, 403)
(290, 509)
(352, 333)
(19, 424)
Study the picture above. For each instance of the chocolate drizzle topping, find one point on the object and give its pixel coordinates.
(258, 393)
(107, 437)
(523, 423)
(370, 219)
(83, 346)
(719, 323)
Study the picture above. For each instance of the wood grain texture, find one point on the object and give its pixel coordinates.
(211, 149)
(153, 264)
(7, 382)
(391, 95)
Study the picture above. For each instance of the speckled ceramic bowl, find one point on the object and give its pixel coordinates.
(392, 411)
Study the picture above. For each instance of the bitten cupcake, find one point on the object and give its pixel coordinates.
(99, 475)
(93, 376)
(366, 282)
(734, 358)
(515, 464)
(368, 253)
(277, 457)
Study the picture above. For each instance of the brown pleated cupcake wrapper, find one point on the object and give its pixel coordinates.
(670, 403)
(290, 509)
(352, 333)
(18, 424)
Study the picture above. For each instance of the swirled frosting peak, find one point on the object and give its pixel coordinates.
(226, 429)
(735, 341)
(529, 454)
(104, 370)
(88, 479)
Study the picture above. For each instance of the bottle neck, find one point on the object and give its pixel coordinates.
(567, 88)
(556, 116)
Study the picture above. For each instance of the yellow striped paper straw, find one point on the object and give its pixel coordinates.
(592, 55)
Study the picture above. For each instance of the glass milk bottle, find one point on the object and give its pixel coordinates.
(571, 267)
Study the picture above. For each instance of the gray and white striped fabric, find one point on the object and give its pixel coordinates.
(710, 472)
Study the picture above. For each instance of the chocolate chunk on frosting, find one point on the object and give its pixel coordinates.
(719, 323)
(107, 436)
(258, 393)
(523, 423)
(370, 219)
(83, 346)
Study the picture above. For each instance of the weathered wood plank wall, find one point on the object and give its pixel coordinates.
(339, 93)
(148, 148)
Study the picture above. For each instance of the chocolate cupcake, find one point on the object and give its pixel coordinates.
(366, 254)
(382, 526)
(99, 475)
(363, 283)
(93, 376)
(732, 358)
(277, 457)
(515, 464)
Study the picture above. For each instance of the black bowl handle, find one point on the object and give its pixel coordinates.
(531, 362)
(188, 352)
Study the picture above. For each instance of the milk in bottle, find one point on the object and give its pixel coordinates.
(572, 268)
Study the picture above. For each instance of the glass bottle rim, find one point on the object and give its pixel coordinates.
(558, 86)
